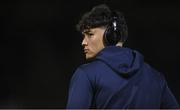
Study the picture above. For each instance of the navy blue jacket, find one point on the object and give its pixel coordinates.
(119, 78)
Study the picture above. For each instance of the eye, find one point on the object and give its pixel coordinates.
(90, 34)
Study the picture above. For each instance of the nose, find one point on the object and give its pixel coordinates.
(84, 42)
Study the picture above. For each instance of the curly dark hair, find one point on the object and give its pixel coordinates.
(101, 16)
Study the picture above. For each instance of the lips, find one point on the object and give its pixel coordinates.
(86, 50)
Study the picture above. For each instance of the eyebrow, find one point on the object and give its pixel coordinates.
(87, 32)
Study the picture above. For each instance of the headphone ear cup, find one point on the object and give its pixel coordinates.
(112, 36)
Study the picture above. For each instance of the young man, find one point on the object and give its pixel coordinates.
(115, 77)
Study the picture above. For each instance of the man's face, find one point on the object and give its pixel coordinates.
(92, 41)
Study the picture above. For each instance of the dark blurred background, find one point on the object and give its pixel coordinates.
(40, 48)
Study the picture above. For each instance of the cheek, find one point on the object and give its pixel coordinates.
(98, 44)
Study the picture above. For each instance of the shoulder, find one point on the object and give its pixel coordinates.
(92, 66)
(156, 75)
(91, 70)
(154, 71)
(86, 73)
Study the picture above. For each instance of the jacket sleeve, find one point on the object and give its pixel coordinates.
(168, 100)
(80, 91)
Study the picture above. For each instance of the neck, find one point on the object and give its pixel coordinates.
(119, 44)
